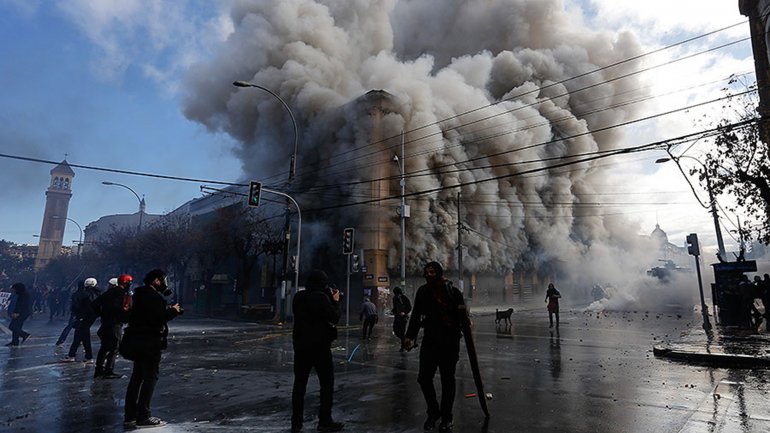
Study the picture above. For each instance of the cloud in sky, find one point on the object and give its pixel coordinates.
(122, 57)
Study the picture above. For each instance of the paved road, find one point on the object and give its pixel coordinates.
(596, 373)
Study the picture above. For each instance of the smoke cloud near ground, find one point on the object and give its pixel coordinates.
(470, 80)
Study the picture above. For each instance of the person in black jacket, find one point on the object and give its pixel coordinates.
(113, 311)
(436, 309)
(19, 312)
(316, 313)
(84, 318)
(401, 309)
(147, 323)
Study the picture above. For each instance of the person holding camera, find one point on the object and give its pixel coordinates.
(148, 326)
(316, 314)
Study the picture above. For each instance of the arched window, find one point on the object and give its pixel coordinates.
(56, 183)
(66, 183)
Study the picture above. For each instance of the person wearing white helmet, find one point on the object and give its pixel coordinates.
(84, 318)
(113, 314)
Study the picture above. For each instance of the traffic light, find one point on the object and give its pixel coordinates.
(347, 240)
(255, 190)
(356, 265)
(692, 244)
(293, 264)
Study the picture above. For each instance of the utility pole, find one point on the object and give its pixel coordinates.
(460, 250)
(403, 216)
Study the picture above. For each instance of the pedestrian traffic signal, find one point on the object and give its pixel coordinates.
(692, 244)
(356, 265)
(293, 264)
(347, 240)
(255, 190)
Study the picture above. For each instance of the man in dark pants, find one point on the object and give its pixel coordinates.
(148, 322)
(401, 309)
(436, 308)
(113, 312)
(19, 311)
(316, 313)
(84, 318)
(369, 316)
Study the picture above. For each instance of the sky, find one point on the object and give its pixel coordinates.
(108, 84)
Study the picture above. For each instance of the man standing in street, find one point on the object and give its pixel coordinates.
(84, 318)
(113, 312)
(316, 314)
(437, 310)
(19, 311)
(401, 309)
(369, 316)
(148, 322)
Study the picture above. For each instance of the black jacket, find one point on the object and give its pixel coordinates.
(436, 309)
(401, 304)
(315, 318)
(81, 304)
(109, 307)
(22, 306)
(148, 321)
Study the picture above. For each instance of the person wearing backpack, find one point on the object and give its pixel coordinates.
(113, 314)
(84, 317)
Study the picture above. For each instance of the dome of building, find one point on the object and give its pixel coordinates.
(659, 235)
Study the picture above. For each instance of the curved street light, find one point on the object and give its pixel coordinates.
(80, 240)
(292, 169)
(712, 200)
(141, 200)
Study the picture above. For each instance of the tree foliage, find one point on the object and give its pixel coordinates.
(738, 164)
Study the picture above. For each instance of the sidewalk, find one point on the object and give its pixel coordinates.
(723, 346)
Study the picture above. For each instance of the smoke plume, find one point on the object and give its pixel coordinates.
(481, 81)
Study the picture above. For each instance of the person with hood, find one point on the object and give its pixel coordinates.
(369, 316)
(113, 312)
(316, 314)
(84, 317)
(401, 309)
(148, 323)
(437, 309)
(19, 311)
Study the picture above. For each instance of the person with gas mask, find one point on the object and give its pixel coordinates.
(85, 316)
(113, 311)
(147, 324)
(437, 310)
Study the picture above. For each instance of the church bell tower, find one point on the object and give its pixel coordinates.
(56, 205)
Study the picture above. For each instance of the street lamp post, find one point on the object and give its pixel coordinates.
(287, 225)
(141, 201)
(712, 201)
(80, 240)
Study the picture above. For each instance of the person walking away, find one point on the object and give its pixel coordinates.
(113, 314)
(437, 306)
(53, 304)
(401, 309)
(71, 321)
(84, 318)
(552, 297)
(766, 296)
(148, 322)
(369, 316)
(19, 311)
(316, 314)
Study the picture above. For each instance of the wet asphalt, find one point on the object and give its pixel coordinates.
(596, 373)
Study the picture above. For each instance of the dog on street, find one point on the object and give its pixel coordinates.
(503, 315)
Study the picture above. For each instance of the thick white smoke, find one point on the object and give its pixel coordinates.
(438, 60)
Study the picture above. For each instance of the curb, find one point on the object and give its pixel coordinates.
(716, 359)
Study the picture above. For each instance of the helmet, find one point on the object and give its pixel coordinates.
(113, 282)
(125, 279)
(90, 282)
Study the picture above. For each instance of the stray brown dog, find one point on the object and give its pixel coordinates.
(503, 315)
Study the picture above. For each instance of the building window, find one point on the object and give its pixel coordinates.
(66, 183)
(56, 183)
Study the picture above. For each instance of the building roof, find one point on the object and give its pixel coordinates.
(63, 168)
